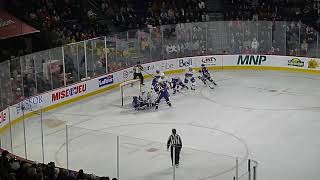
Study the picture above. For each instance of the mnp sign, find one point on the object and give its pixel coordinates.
(251, 59)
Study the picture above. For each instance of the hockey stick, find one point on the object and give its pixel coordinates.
(148, 73)
(206, 83)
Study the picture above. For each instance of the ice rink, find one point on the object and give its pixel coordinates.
(268, 116)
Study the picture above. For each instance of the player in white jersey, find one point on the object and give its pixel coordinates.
(189, 76)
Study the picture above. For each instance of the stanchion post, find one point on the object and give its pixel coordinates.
(174, 161)
(255, 172)
(24, 133)
(67, 147)
(118, 156)
(42, 137)
(10, 128)
(249, 169)
(237, 168)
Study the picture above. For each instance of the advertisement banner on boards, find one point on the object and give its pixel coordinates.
(4, 117)
(30, 104)
(106, 80)
(314, 64)
(72, 91)
(252, 60)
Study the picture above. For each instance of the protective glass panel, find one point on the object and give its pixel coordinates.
(134, 38)
(292, 39)
(5, 80)
(19, 133)
(112, 55)
(318, 45)
(156, 44)
(170, 46)
(42, 70)
(237, 36)
(54, 133)
(33, 132)
(99, 148)
(126, 51)
(74, 62)
(144, 43)
(279, 30)
(219, 38)
(184, 36)
(55, 66)
(196, 164)
(264, 37)
(199, 39)
(308, 41)
(29, 75)
(152, 157)
(16, 80)
(250, 43)
(96, 57)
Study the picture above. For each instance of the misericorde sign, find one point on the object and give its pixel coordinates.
(251, 59)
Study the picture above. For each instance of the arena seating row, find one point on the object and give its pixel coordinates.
(16, 168)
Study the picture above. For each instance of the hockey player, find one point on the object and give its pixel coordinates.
(156, 79)
(176, 83)
(162, 88)
(142, 101)
(189, 76)
(205, 75)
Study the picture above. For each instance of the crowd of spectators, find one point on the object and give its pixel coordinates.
(297, 39)
(64, 22)
(13, 168)
(161, 12)
(155, 13)
(68, 19)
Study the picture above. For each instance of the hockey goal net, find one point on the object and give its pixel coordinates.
(128, 89)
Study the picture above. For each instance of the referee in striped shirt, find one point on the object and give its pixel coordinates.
(175, 144)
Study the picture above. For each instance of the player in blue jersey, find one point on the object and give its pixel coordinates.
(176, 83)
(155, 79)
(205, 75)
(162, 87)
(142, 101)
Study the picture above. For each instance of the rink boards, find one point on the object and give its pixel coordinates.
(59, 97)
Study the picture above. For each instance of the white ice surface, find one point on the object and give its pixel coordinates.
(272, 117)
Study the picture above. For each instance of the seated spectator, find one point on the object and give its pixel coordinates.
(304, 48)
(254, 45)
(4, 165)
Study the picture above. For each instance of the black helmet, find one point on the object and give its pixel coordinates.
(202, 65)
(174, 131)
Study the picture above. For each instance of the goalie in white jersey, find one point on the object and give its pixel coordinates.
(189, 76)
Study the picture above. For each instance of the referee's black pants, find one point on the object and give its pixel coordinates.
(177, 150)
(135, 75)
